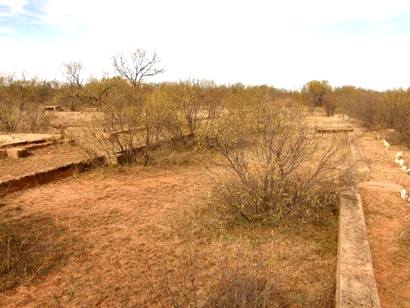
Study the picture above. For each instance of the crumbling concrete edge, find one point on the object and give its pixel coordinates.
(355, 281)
(47, 175)
(59, 172)
(356, 285)
(359, 160)
(54, 138)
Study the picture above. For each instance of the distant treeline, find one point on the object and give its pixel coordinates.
(22, 100)
(375, 109)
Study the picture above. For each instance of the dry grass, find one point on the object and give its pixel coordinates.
(239, 281)
(119, 226)
(137, 236)
(257, 266)
(404, 239)
(30, 248)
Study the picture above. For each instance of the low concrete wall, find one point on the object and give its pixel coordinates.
(355, 282)
(53, 174)
(356, 286)
(37, 146)
(45, 176)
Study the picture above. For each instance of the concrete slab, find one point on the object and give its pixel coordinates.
(14, 140)
(5, 138)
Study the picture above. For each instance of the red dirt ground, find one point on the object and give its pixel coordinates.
(388, 221)
(119, 227)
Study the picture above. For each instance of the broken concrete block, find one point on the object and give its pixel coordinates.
(17, 153)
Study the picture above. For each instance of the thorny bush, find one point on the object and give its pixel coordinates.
(279, 168)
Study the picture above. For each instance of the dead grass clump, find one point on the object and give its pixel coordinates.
(247, 275)
(29, 249)
(239, 281)
(404, 239)
(239, 288)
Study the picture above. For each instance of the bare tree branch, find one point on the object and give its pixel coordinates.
(72, 71)
(137, 65)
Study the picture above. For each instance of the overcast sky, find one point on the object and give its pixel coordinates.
(281, 43)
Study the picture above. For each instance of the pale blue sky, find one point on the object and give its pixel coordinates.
(282, 43)
(27, 21)
(395, 25)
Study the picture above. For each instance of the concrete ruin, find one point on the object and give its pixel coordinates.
(355, 281)
(19, 145)
(16, 153)
(53, 108)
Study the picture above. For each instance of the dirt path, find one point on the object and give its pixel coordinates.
(388, 221)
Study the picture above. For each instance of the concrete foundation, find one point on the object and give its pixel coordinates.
(355, 282)
(46, 176)
(16, 153)
(356, 285)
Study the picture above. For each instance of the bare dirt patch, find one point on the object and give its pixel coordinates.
(388, 220)
(122, 226)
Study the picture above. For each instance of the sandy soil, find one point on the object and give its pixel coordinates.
(388, 222)
(40, 159)
(117, 228)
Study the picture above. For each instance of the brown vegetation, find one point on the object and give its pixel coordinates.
(374, 109)
(279, 168)
(20, 108)
(253, 226)
(30, 248)
(121, 229)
